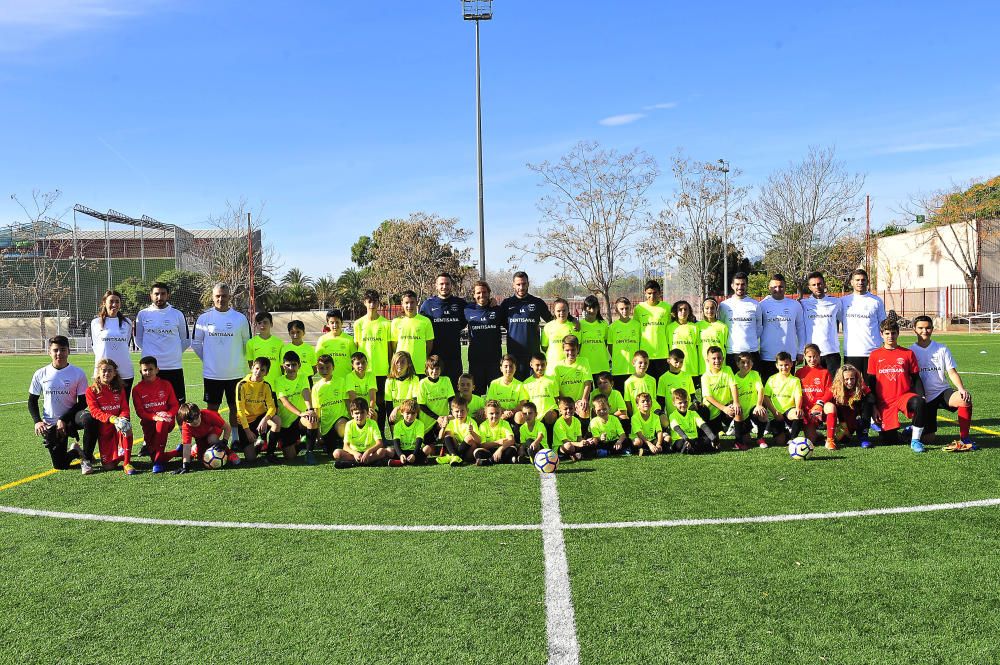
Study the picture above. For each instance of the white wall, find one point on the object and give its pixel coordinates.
(901, 259)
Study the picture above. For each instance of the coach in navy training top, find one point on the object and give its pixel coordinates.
(485, 350)
(522, 313)
(447, 315)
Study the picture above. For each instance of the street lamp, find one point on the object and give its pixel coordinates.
(724, 167)
(479, 10)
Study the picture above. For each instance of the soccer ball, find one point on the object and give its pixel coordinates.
(214, 458)
(841, 432)
(800, 448)
(546, 460)
(123, 425)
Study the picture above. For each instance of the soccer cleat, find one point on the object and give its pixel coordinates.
(144, 451)
(86, 468)
(761, 443)
(343, 464)
(917, 447)
(272, 458)
(865, 443)
(183, 468)
(831, 444)
(969, 441)
(130, 470)
(310, 458)
(739, 445)
(392, 462)
(875, 427)
(233, 458)
(159, 468)
(959, 446)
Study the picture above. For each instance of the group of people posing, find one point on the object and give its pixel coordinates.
(656, 379)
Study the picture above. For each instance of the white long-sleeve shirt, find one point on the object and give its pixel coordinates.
(862, 315)
(782, 327)
(163, 334)
(219, 340)
(740, 316)
(111, 340)
(821, 318)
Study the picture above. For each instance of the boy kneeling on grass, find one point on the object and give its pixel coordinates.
(647, 432)
(256, 409)
(362, 440)
(567, 432)
(689, 432)
(534, 434)
(156, 405)
(783, 399)
(606, 428)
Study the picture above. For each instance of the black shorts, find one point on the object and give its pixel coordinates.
(776, 427)
(176, 379)
(939, 402)
(215, 388)
(719, 424)
(291, 435)
(252, 426)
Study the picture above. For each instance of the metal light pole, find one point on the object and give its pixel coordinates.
(479, 10)
(724, 167)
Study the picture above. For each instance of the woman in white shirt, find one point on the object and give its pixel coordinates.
(111, 332)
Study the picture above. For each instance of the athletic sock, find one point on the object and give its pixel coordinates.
(449, 445)
(310, 440)
(964, 421)
(916, 433)
(831, 425)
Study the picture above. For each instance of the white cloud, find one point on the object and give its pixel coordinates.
(623, 119)
(921, 147)
(663, 105)
(26, 24)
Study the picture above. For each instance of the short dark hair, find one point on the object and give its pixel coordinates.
(923, 318)
(676, 354)
(296, 323)
(335, 314)
(291, 356)
(713, 349)
(858, 271)
(652, 284)
(358, 355)
(370, 295)
(433, 360)
(815, 274)
(263, 316)
(263, 361)
(539, 356)
(740, 275)
(149, 360)
(519, 273)
(59, 340)
(889, 325)
(159, 285)
(408, 294)
(783, 356)
(777, 277)
(604, 376)
(572, 340)
(358, 404)
(444, 274)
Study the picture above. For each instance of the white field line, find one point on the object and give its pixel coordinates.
(438, 528)
(14, 403)
(560, 619)
(980, 373)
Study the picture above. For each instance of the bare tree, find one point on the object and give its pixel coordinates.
(226, 258)
(591, 214)
(691, 227)
(408, 254)
(961, 222)
(803, 210)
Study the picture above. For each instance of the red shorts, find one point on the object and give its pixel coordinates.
(889, 413)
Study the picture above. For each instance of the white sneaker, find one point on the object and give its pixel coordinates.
(86, 468)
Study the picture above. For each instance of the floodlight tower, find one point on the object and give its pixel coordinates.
(724, 167)
(479, 10)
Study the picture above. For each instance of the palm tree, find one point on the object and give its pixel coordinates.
(296, 277)
(326, 290)
(349, 291)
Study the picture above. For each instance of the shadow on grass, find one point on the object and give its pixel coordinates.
(561, 471)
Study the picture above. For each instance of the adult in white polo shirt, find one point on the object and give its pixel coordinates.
(162, 332)
(781, 327)
(220, 336)
(821, 314)
(739, 313)
(862, 313)
(111, 333)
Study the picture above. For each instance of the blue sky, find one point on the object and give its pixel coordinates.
(337, 115)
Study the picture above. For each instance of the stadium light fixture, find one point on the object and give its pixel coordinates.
(479, 10)
(724, 167)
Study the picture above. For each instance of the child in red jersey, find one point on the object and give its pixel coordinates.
(894, 378)
(815, 388)
(156, 406)
(205, 428)
(109, 422)
(849, 403)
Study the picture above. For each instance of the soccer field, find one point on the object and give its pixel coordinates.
(853, 556)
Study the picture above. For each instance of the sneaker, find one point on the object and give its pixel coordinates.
(343, 464)
(159, 468)
(130, 470)
(875, 427)
(233, 458)
(959, 446)
(917, 447)
(831, 444)
(392, 462)
(627, 452)
(865, 443)
(86, 468)
(272, 458)
(739, 445)
(762, 443)
(311, 458)
(968, 441)
(482, 457)
(144, 451)
(183, 468)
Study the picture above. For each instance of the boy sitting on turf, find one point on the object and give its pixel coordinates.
(330, 402)
(508, 392)
(204, 429)
(647, 432)
(783, 400)
(407, 440)
(534, 434)
(639, 382)
(543, 390)
(433, 399)
(719, 396)
(689, 433)
(361, 383)
(298, 416)
(606, 428)
(496, 437)
(156, 406)
(362, 441)
(670, 380)
(751, 397)
(476, 403)
(459, 437)
(815, 381)
(567, 432)
(256, 409)
(604, 383)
